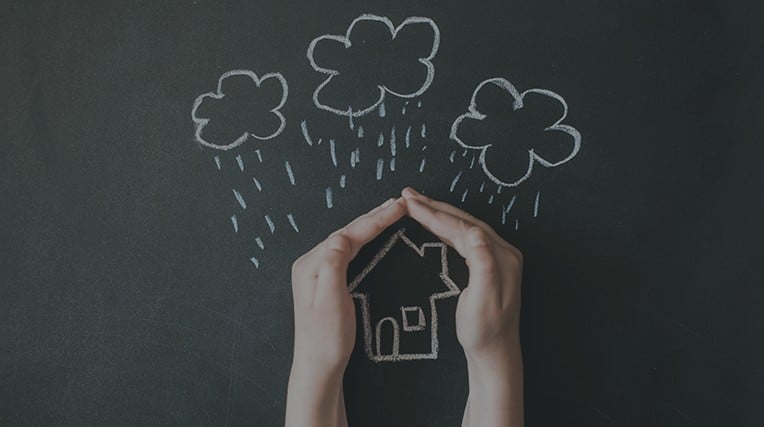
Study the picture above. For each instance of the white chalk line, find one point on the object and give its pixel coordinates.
(474, 114)
(200, 122)
(333, 152)
(345, 40)
(239, 199)
(235, 223)
(454, 181)
(292, 222)
(363, 300)
(289, 171)
(271, 225)
(329, 197)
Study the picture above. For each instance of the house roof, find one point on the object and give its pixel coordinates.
(400, 236)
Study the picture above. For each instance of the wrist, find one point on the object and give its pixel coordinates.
(314, 397)
(495, 387)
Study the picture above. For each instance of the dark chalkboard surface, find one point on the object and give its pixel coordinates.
(164, 163)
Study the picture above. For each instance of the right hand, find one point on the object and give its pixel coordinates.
(488, 312)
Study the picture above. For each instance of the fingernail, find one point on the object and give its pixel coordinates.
(411, 192)
(388, 202)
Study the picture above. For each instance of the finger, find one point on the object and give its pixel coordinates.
(472, 242)
(333, 260)
(365, 228)
(307, 266)
(409, 192)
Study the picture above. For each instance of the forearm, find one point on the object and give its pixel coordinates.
(495, 390)
(315, 399)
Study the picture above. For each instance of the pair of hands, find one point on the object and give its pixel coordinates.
(487, 314)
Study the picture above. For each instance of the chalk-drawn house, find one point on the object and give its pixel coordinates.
(399, 317)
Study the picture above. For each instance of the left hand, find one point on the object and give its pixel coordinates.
(324, 318)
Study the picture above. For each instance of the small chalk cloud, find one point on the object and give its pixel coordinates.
(244, 105)
(515, 130)
(372, 60)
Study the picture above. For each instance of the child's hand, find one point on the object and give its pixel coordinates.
(487, 315)
(325, 319)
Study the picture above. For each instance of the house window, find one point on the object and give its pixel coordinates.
(413, 319)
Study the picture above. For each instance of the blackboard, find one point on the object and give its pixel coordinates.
(135, 290)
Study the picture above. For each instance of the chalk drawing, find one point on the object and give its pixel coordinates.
(217, 161)
(392, 142)
(257, 184)
(240, 162)
(381, 110)
(333, 152)
(260, 243)
(506, 210)
(271, 225)
(474, 114)
(380, 168)
(255, 262)
(235, 223)
(342, 181)
(289, 171)
(383, 89)
(421, 165)
(482, 186)
(380, 140)
(421, 322)
(451, 156)
(454, 181)
(329, 197)
(374, 335)
(239, 199)
(201, 122)
(360, 131)
(292, 222)
(536, 205)
(408, 137)
(517, 224)
(423, 132)
(305, 134)
(392, 164)
(464, 195)
(259, 156)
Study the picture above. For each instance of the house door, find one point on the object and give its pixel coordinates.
(388, 338)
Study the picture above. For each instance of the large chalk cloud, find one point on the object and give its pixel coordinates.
(513, 131)
(372, 60)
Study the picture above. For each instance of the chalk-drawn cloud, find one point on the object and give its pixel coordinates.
(540, 130)
(268, 131)
(395, 58)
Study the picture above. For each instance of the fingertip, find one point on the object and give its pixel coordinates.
(409, 192)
